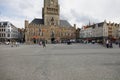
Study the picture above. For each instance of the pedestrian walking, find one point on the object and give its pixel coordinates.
(43, 43)
(40, 43)
(110, 44)
(16, 44)
(119, 43)
(107, 43)
(12, 44)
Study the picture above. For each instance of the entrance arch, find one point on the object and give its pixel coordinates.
(52, 37)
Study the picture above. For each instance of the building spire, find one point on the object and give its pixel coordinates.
(105, 21)
(89, 23)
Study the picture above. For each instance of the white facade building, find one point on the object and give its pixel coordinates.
(8, 32)
(88, 32)
(82, 33)
(100, 31)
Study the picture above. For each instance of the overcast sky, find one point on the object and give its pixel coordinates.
(78, 12)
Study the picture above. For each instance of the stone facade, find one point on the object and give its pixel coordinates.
(50, 27)
(51, 12)
(21, 36)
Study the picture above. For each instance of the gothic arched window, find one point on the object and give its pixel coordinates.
(52, 34)
(52, 21)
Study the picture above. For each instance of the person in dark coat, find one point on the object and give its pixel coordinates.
(119, 43)
(110, 44)
(43, 43)
(107, 43)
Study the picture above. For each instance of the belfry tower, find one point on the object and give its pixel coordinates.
(50, 12)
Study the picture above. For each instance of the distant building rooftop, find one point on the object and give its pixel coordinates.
(63, 23)
(38, 21)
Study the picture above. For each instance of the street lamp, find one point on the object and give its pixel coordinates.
(119, 33)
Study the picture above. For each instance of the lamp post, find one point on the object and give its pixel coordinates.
(119, 33)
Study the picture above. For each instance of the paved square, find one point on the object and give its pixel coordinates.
(59, 62)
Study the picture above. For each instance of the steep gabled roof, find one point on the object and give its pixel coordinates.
(38, 21)
(65, 23)
(100, 24)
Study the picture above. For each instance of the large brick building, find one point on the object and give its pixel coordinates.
(50, 27)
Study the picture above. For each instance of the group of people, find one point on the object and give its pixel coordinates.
(14, 44)
(109, 43)
(43, 43)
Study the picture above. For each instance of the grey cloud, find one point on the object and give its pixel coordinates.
(17, 3)
(82, 11)
(4, 1)
(23, 5)
(112, 8)
(83, 18)
(63, 17)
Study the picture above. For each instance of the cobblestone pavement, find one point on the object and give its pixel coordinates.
(59, 62)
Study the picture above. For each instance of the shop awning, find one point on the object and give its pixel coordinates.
(35, 37)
